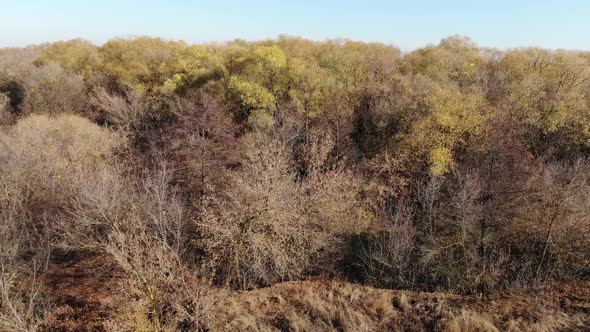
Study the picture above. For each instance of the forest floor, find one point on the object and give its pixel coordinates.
(82, 286)
(85, 287)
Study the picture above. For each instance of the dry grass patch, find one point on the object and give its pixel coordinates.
(339, 306)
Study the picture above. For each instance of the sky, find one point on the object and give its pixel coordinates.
(408, 24)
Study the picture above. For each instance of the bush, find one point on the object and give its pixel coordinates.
(550, 227)
(386, 258)
(50, 90)
(267, 227)
(5, 116)
(12, 96)
(77, 55)
(23, 259)
(257, 233)
(201, 142)
(148, 238)
(124, 111)
(45, 164)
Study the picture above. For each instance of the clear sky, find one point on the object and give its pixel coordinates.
(407, 24)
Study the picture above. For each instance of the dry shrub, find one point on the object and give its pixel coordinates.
(387, 257)
(461, 250)
(61, 186)
(334, 192)
(6, 117)
(60, 142)
(269, 225)
(145, 231)
(45, 163)
(124, 111)
(4, 100)
(461, 233)
(21, 305)
(258, 232)
(51, 90)
(15, 68)
(551, 226)
(201, 143)
(12, 95)
(17, 62)
(386, 178)
(22, 261)
(451, 254)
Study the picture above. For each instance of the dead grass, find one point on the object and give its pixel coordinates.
(339, 306)
(469, 321)
(90, 293)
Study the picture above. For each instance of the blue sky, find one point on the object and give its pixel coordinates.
(407, 24)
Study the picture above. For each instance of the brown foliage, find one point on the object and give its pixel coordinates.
(201, 143)
(50, 90)
(268, 226)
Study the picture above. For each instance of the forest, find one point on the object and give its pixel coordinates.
(293, 185)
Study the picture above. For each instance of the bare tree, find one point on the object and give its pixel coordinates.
(388, 257)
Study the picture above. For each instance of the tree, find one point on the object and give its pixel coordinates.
(77, 55)
(547, 94)
(257, 232)
(453, 119)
